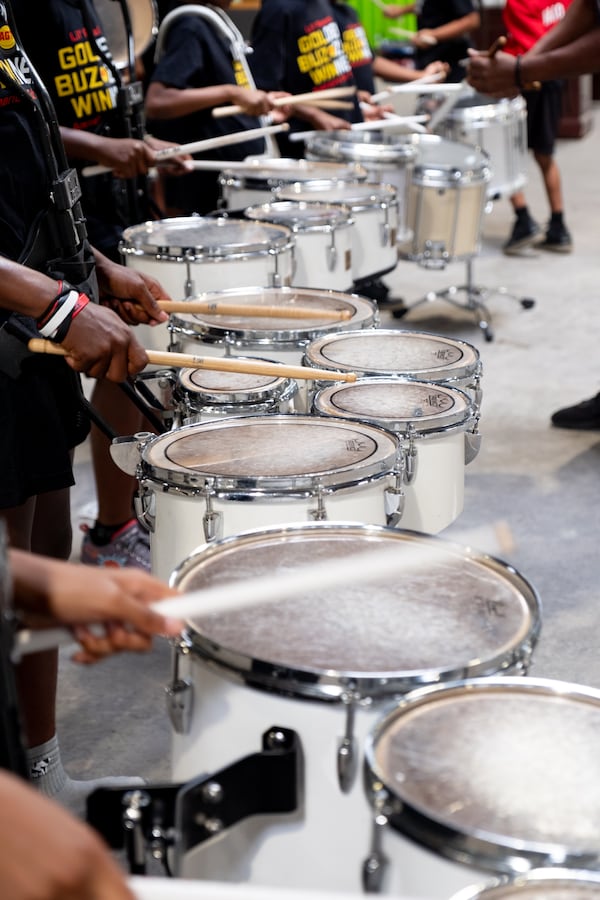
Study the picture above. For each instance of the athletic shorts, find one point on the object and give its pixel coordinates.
(42, 419)
(544, 109)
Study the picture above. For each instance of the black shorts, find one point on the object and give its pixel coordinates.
(41, 420)
(544, 109)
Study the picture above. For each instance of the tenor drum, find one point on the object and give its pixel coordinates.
(437, 430)
(539, 884)
(416, 355)
(202, 482)
(323, 237)
(499, 774)
(259, 178)
(374, 210)
(327, 663)
(387, 158)
(498, 128)
(447, 199)
(282, 340)
(201, 395)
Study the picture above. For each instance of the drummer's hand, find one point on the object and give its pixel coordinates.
(320, 119)
(253, 102)
(492, 75)
(173, 165)
(131, 294)
(373, 111)
(127, 157)
(436, 68)
(424, 39)
(279, 114)
(100, 344)
(49, 853)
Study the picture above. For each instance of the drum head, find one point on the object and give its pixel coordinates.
(265, 330)
(211, 387)
(540, 884)
(261, 173)
(195, 237)
(355, 196)
(400, 406)
(426, 357)
(361, 147)
(288, 455)
(479, 108)
(500, 773)
(300, 215)
(450, 610)
(448, 163)
(144, 27)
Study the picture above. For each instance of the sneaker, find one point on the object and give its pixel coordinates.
(558, 239)
(525, 233)
(584, 415)
(130, 546)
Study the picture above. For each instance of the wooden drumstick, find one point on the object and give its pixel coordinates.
(222, 308)
(216, 364)
(313, 97)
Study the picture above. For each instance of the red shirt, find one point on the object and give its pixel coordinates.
(526, 21)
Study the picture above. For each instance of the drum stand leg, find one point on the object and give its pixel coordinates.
(474, 302)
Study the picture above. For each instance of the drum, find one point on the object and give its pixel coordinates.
(447, 199)
(374, 211)
(323, 236)
(203, 482)
(327, 664)
(202, 395)
(257, 180)
(435, 426)
(493, 773)
(144, 26)
(406, 354)
(497, 127)
(387, 158)
(282, 340)
(540, 884)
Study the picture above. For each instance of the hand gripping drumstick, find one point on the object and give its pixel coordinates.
(215, 364)
(222, 308)
(312, 98)
(369, 566)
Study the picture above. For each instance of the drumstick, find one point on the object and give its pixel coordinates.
(312, 97)
(330, 104)
(369, 566)
(215, 364)
(225, 140)
(377, 125)
(405, 33)
(218, 308)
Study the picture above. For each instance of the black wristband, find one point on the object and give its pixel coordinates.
(518, 80)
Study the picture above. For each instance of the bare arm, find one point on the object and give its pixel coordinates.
(164, 102)
(449, 31)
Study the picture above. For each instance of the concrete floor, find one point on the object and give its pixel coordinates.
(542, 481)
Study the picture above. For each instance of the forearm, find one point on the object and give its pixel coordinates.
(580, 19)
(393, 71)
(24, 290)
(163, 102)
(457, 28)
(580, 57)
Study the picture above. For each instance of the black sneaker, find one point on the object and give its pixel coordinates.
(525, 233)
(558, 239)
(584, 415)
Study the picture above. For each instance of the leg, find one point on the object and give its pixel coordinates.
(557, 237)
(526, 231)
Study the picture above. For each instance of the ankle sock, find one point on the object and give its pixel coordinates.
(556, 220)
(46, 773)
(522, 214)
(101, 535)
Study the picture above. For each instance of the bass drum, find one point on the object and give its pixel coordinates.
(144, 27)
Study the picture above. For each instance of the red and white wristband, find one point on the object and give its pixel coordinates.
(56, 319)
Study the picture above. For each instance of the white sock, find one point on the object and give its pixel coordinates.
(47, 774)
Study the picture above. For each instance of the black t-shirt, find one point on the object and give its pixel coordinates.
(356, 46)
(439, 12)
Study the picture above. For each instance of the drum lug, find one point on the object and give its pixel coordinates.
(189, 286)
(435, 255)
(144, 505)
(472, 445)
(347, 757)
(394, 499)
(376, 863)
(212, 522)
(411, 455)
(386, 230)
(319, 513)
(180, 693)
(332, 254)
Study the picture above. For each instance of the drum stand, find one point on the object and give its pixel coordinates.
(474, 299)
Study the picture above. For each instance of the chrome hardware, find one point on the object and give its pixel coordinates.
(318, 513)
(472, 445)
(386, 229)
(410, 457)
(347, 756)
(212, 522)
(435, 255)
(212, 792)
(332, 254)
(394, 498)
(189, 288)
(180, 693)
(126, 452)
(135, 802)
(144, 504)
(376, 863)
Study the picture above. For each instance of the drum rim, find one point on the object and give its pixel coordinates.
(365, 315)
(367, 195)
(277, 389)
(476, 847)
(257, 487)
(497, 110)
(240, 178)
(465, 370)
(554, 876)
(320, 216)
(420, 428)
(332, 685)
(135, 240)
(370, 147)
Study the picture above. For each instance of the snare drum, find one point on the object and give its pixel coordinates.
(406, 354)
(431, 422)
(203, 482)
(387, 158)
(374, 210)
(257, 180)
(447, 199)
(326, 664)
(499, 128)
(323, 237)
(202, 395)
(282, 340)
(539, 884)
(499, 774)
